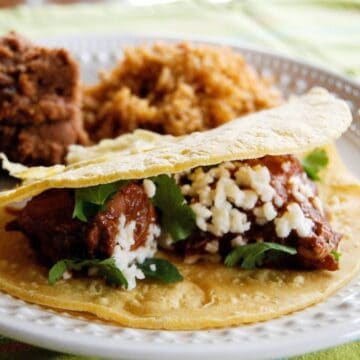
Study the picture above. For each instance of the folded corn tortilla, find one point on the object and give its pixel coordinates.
(211, 295)
(306, 122)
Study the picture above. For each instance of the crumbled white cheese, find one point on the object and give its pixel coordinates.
(318, 204)
(228, 190)
(250, 199)
(238, 241)
(229, 165)
(67, 275)
(233, 192)
(220, 223)
(258, 178)
(238, 222)
(269, 211)
(126, 258)
(153, 267)
(242, 176)
(220, 195)
(278, 201)
(205, 196)
(223, 171)
(200, 179)
(187, 190)
(265, 213)
(149, 187)
(212, 247)
(293, 219)
(202, 214)
(300, 188)
(286, 166)
(223, 191)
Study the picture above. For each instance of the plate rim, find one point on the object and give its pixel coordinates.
(147, 351)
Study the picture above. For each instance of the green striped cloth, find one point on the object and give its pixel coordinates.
(322, 31)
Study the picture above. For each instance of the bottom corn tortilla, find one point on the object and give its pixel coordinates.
(211, 295)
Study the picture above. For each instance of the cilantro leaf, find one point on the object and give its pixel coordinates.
(56, 272)
(336, 255)
(106, 268)
(83, 209)
(90, 200)
(177, 218)
(314, 162)
(160, 269)
(252, 255)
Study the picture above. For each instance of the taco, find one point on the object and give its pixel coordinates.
(211, 229)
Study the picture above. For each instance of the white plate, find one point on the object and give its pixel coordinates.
(332, 322)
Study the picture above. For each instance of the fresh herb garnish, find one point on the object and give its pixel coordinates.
(252, 255)
(90, 200)
(314, 162)
(336, 255)
(160, 269)
(177, 218)
(105, 268)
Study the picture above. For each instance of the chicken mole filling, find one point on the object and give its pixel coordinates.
(277, 202)
(48, 222)
(234, 203)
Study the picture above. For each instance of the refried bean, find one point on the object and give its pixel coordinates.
(40, 102)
